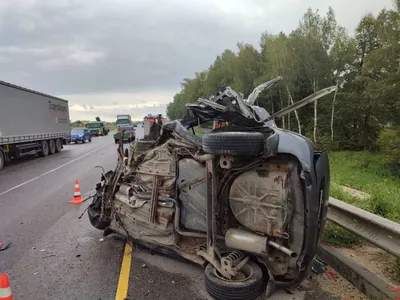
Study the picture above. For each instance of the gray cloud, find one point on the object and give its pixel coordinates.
(66, 47)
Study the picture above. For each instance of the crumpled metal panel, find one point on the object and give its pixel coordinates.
(259, 199)
(158, 161)
(192, 187)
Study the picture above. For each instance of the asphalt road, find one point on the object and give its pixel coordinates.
(56, 255)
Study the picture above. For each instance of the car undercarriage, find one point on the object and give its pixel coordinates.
(247, 201)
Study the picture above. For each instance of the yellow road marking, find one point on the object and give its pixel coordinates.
(123, 283)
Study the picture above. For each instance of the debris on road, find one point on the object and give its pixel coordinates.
(101, 240)
(318, 266)
(143, 265)
(4, 246)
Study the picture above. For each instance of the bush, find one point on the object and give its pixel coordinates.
(389, 144)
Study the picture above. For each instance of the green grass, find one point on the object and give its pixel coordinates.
(367, 172)
(338, 236)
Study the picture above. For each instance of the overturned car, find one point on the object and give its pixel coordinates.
(248, 201)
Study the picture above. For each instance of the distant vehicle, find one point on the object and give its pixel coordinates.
(97, 128)
(149, 120)
(123, 119)
(80, 134)
(31, 121)
(126, 132)
(126, 129)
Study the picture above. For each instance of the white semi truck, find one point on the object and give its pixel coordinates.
(31, 121)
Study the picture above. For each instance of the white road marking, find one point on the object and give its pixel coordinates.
(53, 170)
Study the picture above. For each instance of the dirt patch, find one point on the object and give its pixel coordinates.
(333, 283)
(375, 260)
(355, 193)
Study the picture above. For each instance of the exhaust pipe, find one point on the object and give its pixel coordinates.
(251, 242)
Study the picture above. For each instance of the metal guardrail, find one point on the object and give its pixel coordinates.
(379, 231)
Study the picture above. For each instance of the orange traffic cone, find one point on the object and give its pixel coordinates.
(77, 194)
(5, 290)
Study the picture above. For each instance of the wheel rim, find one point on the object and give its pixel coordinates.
(245, 273)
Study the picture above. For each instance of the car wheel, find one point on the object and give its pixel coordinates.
(90, 139)
(58, 145)
(83, 140)
(44, 149)
(233, 143)
(247, 286)
(2, 160)
(52, 147)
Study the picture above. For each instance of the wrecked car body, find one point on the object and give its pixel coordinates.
(248, 201)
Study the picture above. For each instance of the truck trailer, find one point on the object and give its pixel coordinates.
(31, 121)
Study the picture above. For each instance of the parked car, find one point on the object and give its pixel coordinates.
(248, 200)
(80, 134)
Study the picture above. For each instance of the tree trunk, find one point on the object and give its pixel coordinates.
(283, 117)
(295, 111)
(315, 114)
(333, 109)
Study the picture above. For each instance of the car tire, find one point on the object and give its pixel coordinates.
(2, 159)
(246, 289)
(83, 140)
(233, 143)
(58, 145)
(90, 139)
(44, 149)
(52, 147)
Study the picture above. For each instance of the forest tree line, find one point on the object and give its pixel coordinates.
(317, 54)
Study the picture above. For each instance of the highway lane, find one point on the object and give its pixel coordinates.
(19, 171)
(37, 216)
(55, 255)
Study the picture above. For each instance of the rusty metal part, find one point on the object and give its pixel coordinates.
(246, 241)
(252, 242)
(283, 249)
(177, 222)
(211, 254)
(232, 263)
(259, 198)
(154, 199)
(226, 161)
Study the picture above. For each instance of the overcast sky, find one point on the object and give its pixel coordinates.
(129, 56)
